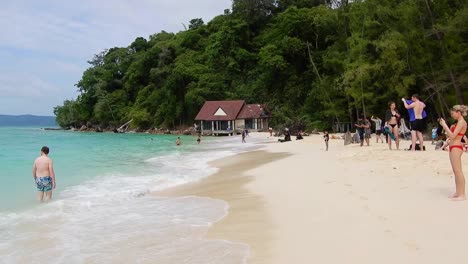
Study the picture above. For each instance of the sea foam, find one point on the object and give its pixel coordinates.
(112, 219)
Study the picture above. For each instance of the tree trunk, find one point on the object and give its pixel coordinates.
(458, 90)
(350, 110)
(442, 110)
(320, 79)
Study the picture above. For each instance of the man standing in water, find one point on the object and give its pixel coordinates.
(418, 125)
(44, 176)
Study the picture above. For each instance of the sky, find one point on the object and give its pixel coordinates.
(44, 44)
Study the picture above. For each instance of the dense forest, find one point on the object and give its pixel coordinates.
(311, 62)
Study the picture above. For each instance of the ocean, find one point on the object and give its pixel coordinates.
(101, 210)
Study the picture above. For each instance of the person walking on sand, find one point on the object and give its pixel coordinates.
(178, 141)
(378, 128)
(361, 127)
(391, 121)
(44, 175)
(199, 140)
(244, 133)
(326, 137)
(367, 130)
(270, 129)
(418, 125)
(455, 134)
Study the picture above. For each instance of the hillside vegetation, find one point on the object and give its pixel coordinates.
(311, 62)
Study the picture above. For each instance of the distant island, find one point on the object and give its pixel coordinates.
(27, 120)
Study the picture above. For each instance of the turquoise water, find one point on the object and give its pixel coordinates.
(103, 199)
(78, 157)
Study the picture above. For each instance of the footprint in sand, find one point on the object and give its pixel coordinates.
(382, 218)
(365, 207)
(363, 198)
(390, 233)
(412, 246)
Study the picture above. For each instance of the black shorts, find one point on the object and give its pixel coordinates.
(418, 125)
(361, 134)
(378, 132)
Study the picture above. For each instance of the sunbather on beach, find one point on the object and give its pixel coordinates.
(456, 134)
(299, 136)
(391, 120)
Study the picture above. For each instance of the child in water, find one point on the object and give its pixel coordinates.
(326, 137)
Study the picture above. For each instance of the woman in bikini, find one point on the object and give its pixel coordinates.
(455, 134)
(391, 120)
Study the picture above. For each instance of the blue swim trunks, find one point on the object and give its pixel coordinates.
(44, 184)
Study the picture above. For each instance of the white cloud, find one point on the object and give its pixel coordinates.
(80, 29)
(62, 66)
(25, 85)
(44, 45)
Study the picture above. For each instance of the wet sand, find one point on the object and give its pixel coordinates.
(247, 221)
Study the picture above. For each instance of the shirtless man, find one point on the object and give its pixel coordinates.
(417, 126)
(44, 176)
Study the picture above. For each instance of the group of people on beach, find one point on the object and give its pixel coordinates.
(455, 134)
(391, 125)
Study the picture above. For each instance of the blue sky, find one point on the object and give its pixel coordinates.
(44, 45)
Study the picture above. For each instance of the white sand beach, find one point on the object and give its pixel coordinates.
(295, 203)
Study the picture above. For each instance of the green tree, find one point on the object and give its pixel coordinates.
(312, 63)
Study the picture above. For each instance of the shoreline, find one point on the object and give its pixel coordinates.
(246, 212)
(295, 203)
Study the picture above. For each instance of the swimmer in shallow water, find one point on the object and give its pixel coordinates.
(44, 175)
